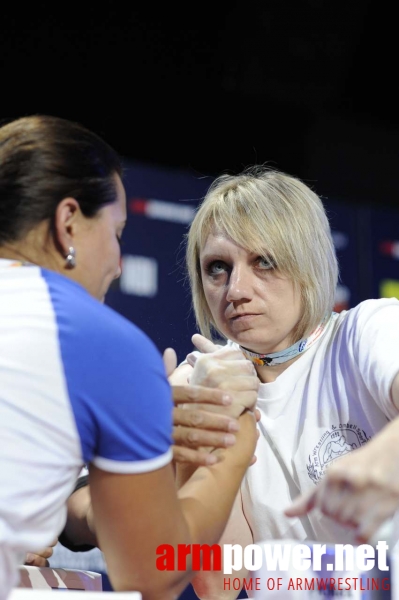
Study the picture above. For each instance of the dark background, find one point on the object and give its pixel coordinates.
(308, 86)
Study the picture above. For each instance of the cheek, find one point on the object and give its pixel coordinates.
(289, 303)
(283, 290)
(113, 252)
(213, 299)
(108, 262)
(295, 299)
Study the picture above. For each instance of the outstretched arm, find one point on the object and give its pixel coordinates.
(233, 373)
(210, 585)
(135, 514)
(197, 432)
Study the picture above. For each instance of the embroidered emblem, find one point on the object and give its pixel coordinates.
(333, 444)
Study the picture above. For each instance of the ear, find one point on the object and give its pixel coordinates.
(66, 223)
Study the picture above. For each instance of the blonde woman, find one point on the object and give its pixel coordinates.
(263, 274)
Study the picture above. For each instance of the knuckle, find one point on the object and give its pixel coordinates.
(193, 393)
(196, 418)
(205, 360)
(192, 436)
(334, 475)
(179, 454)
(176, 435)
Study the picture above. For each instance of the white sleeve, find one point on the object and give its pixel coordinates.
(375, 335)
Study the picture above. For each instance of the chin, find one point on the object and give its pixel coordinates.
(248, 343)
(253, 345)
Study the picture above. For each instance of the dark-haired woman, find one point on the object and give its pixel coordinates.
(72, 371)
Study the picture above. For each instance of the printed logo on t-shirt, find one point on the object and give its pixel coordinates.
(333, 444)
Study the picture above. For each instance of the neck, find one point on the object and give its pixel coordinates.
(13, 253)
(270, 374)
(36, 247)
(278, 361)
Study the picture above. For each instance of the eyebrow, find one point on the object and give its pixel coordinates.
(213, 256)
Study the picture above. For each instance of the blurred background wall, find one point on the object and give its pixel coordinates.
(186, 93)
(153, 290)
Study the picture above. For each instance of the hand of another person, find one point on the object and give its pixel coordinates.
(361, 489)
(40, 558)
(196, 427)
(224, 368)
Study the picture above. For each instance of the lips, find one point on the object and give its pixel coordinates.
(243, 317)
(240, 315)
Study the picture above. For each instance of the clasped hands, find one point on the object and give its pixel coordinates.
(210, 392)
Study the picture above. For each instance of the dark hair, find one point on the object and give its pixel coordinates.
(44, 159)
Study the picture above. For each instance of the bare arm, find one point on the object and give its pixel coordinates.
(209, 585)
(361, 489)
(135, 514)
(193, 429)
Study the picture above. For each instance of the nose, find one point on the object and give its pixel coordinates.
(239, 284)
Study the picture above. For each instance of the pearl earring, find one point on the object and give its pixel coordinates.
(71, 258)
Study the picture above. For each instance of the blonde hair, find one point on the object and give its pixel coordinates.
(274, 215)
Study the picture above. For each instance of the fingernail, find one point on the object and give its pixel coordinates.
(227, 399)
(234, 426)
(229, 440)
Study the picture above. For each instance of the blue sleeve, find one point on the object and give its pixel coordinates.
(116, 382)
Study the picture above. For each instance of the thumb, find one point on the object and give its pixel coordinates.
(301, 505)
(203, 344)
(170, 361)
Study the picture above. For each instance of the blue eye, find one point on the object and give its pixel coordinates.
(216, 267)
(266, 263)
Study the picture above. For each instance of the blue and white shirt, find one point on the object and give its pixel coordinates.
(79, 384)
